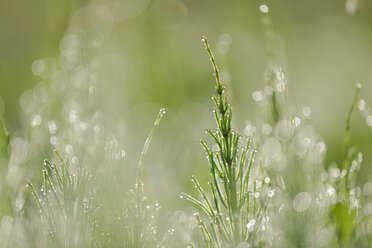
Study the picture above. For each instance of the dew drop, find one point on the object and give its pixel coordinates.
(74, 160)
(334, 172)
(92, 90)
(97, 129)
(302, 201)
(256, 195)
(38, 67)
(73, 116)
(52, 126)
(264, 8)
(249, 129)
(163, 111)
(343, 173)
(270, 192)
(321, 146)
(266, 129)
(367, 188)
(268, 90)
(69, 149)
(324, 176)
(271, 148)
(280, 86)
(330, 191)
(27, 101)
(368, 209)
(258, 184)
(362, 105)
(306, 111)
(351, 6)
(251, 223)
(267, 180)
(279, 76)
(83, 126)
(36, 121)
(296, 121)
(257, 96)
(369, 120)
(284, 130)
(53, 140)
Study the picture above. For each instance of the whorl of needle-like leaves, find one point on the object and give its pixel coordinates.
(230, 209)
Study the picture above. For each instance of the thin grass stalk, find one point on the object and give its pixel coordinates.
(346, 159)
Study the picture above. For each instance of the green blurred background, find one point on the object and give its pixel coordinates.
(323, 49)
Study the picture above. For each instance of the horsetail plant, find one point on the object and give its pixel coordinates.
(68, 214)
(64, 204)
(290, 152)
(232, 211)
(141, 229)
(345, 210)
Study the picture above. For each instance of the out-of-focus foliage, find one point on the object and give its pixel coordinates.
(4, 140)
(86, 77)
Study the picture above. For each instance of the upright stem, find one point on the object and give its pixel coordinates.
(347, 128)
(147, 144)
(269, 33)
(228, 138)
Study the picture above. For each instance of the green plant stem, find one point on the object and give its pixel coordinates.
(229, 143)
(269, 34)
(346, 162)
(160, 115)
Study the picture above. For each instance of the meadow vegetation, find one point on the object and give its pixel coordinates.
(66, 179)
